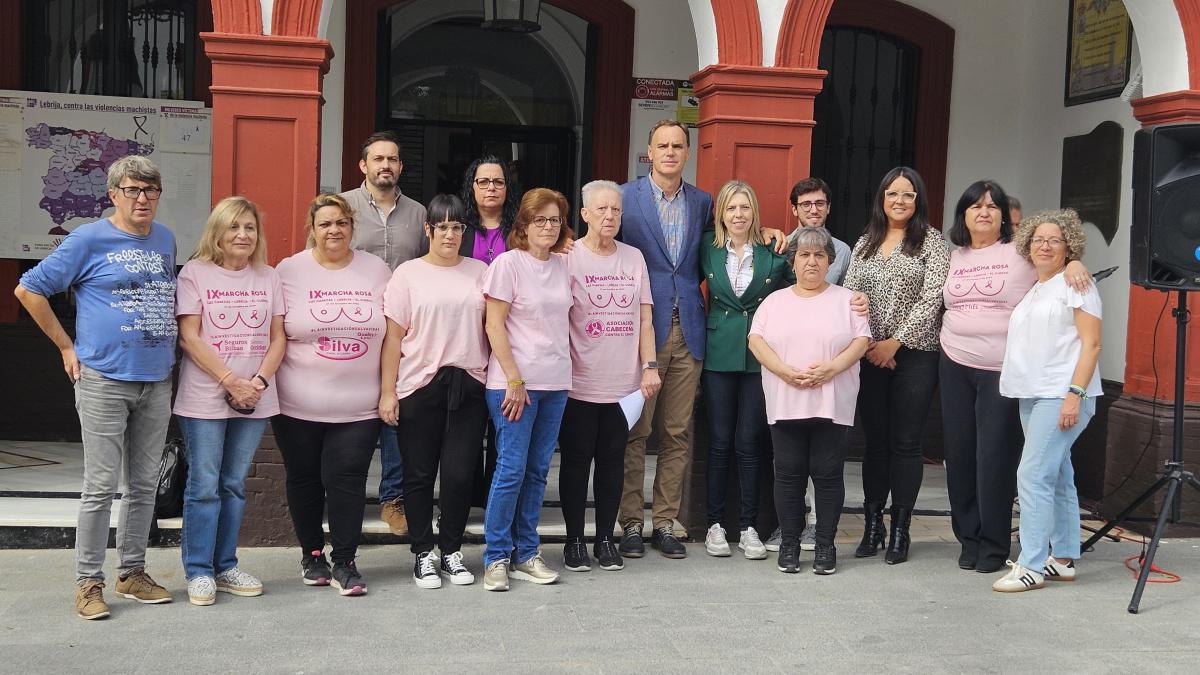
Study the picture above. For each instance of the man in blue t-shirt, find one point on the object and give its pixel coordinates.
(122, 269)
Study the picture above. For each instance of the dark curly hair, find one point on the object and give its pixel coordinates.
(508, 214)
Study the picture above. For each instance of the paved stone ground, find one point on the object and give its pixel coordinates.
(701, 614)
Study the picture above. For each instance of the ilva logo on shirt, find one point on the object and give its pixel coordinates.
(340, 348)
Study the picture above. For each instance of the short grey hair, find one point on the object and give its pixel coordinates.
(594, 187)
(815, 237)
(136, 167)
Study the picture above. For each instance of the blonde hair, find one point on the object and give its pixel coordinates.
(726, 195)
(223, 216)
(319, 202)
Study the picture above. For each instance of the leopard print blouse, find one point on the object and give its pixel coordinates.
(905, 292)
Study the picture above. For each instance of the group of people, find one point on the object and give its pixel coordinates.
(482, 321)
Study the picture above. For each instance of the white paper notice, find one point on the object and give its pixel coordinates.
(632, 405)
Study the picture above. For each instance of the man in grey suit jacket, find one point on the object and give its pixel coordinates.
(663, 218)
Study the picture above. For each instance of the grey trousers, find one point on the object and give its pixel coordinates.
(124, 428)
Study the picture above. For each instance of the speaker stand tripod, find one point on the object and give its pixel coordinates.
(1174, 473)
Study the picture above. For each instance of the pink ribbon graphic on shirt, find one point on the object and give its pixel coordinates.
(990, 291)
(227, 320)
(598, 300)
(355, 314)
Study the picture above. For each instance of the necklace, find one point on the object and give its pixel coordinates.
(491, 238)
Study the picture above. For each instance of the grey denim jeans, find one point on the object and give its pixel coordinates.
(124, 428)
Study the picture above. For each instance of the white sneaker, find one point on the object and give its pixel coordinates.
(1056, 571)
(237, 582)
(751, 545)
(202, 591)
(715, 542)
(1018, 580)
(808, 538)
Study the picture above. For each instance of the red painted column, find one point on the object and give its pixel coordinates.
(267, 101)
(756, 125)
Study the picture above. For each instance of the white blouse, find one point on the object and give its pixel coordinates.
(1043, 343)
(741, 273)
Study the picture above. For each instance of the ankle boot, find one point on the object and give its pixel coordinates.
(874, 533)
(897, 552)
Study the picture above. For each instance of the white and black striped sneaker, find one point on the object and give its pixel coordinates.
(1018, 580)
(1056, 571)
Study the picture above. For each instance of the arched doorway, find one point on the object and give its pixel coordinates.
(885, 102)
(518, 96)
(601, 140)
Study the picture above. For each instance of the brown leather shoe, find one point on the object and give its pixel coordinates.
(392, 513)
(89, 600)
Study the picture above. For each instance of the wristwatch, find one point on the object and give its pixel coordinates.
(650, 365)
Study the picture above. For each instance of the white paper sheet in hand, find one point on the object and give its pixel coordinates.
(631, 405)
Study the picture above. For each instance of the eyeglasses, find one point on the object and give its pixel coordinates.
(132, 192)
(1054, 242)
(483, 183)
(450, 228)
(544, 222)
(819, 205)
(903, 197)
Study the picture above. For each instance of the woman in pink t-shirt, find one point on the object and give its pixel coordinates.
(435, 358)
(528, 291)
(809, 341)
(982, 432)
(230, 309)
(612, 356)
(329, 389)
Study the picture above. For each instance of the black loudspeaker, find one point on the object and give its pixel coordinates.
(1165, 246)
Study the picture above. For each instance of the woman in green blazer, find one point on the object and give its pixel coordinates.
(741, 271)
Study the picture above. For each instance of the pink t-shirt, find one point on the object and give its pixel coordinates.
(235, 310)
(804, 331)
(608, 292)
(335, 327)
(983, 287)
(539, 297)
(441, 308)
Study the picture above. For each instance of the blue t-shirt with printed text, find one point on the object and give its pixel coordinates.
(125, 298)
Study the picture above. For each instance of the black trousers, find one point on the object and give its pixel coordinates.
(441, 424)
(326, 465)
(737, 423)
(813, 448)
(983, 448)
(893, 406)
(591, 433)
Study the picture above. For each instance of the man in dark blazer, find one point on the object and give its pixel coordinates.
(663, 217)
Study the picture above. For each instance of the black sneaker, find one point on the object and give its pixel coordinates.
(575, 556)
(347, 579)
(789, 556)
(667, 543)
(315, 569)
(825, 559)
(632, 545)
(425, 569)
(606, 552)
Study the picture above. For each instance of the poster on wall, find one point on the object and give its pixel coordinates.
(1098, 50)
(55, 151)
(656, 98)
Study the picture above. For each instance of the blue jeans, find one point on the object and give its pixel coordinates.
(219, 453)
(524, 450)
(391, 481)
(1046, 482)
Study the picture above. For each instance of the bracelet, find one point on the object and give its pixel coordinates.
(224, 377)
(516, 383)
(1077, 390)
(260, 378)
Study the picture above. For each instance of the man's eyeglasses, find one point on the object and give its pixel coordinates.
(483, 183)
(902, 197)
(450, 228)
(544, 222)
(819, 204)
(152, 193)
